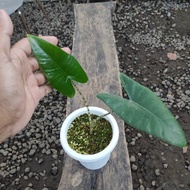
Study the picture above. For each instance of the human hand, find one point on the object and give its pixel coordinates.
(21, 87)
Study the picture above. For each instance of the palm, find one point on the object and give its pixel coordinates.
(29, 86)
(21, 87)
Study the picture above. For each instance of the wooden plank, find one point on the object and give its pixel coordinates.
(94, 47)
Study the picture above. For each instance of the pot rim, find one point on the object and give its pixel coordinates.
(92, 157)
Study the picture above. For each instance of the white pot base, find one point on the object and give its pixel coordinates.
(94, 161)
(97, 164)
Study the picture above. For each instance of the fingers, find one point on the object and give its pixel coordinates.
(33, 63)
(6, 29)
(66, 49)
(40, 78)
(24, 44)
(44, 90)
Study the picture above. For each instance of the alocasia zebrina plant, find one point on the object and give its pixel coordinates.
(143, 110)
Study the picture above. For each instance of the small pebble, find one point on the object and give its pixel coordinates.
(165, 165)
(157, 172)
(141, 187)
(132, 159)
(27, 170)
(134, 167)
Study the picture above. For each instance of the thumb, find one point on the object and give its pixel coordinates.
(6, 30)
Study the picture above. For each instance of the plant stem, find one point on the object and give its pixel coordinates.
(86, 104)
(91, 123)
(24, 22)
(42, 9)
(101, 116)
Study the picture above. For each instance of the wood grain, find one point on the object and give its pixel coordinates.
(94, 47)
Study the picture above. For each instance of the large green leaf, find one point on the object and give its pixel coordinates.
(146, 112)
(59, 67)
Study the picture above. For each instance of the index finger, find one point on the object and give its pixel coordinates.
(6, 30)
(24, 44)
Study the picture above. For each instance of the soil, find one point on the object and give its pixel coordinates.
(145, 32)
(86, 139)
(156, 165)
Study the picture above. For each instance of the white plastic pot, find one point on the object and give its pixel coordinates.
(94, 161)
(10, 5)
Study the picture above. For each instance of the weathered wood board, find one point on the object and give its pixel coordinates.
(94, 47)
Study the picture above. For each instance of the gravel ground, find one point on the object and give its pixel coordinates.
(145, 31)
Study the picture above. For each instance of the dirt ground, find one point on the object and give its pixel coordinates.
(145, 58)
(145, 32)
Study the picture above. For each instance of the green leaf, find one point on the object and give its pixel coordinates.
(146, 112)
(59, 67)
